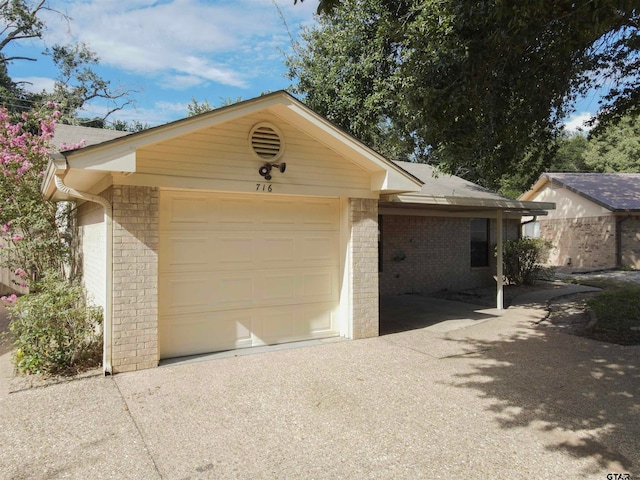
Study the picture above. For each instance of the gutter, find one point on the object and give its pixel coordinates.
(108, 221)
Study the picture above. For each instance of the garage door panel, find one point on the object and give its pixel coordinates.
(321, 249)
(320, 214)
(217, 291)
(182, 335)
(185, 253)
(188, 209)
(319, 319)
(193, 334)
(248, 271)
(235, 251)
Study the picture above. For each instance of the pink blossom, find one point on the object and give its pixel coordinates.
(16, 237)
(20, 272)
(13, 298)
(5, 227)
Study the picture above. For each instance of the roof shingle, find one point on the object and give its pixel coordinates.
(614, 191)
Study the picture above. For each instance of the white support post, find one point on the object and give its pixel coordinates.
(499, 274)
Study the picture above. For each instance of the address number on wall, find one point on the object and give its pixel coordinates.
(264, 187)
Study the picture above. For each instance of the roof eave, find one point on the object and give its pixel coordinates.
(488, 203)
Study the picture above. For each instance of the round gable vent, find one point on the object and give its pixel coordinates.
(266, 142)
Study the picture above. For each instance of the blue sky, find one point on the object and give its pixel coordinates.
(173, 50)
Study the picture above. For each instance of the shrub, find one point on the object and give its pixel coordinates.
(55, 331)
(523, 260)
(618, 314)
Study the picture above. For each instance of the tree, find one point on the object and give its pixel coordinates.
(77, 82)
(570, 156)
(32, 242)
(196, 108)
(125, 126)
(615, 148)
(20, 21)
(478, 87)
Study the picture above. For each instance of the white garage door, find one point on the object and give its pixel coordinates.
(246, 270)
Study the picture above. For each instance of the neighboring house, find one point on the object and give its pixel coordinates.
(258, 223)
(596, 223)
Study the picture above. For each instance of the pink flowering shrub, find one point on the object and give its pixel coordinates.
(53, 327)
(32, 241)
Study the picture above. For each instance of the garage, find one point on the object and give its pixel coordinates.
(244, 270)
(253, 224)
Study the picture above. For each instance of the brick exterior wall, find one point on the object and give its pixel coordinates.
(630, 241)
(135, 278)
(426, 254)
(363, 219)
(590, 242)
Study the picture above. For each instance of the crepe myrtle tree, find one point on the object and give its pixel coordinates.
(31, 239)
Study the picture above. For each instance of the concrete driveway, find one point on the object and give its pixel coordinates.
(492, 397)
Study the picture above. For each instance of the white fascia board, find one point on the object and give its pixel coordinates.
(57, 165)
(122, 159)
(470, 202)
(531, 193)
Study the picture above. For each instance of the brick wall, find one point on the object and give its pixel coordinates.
(630, 241)
(363, 218)
(135, 277)
(427, 254)
(590, 242)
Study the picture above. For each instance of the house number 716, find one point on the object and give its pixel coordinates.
(263, 187)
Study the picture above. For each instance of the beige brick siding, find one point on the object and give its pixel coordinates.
(630, 241)
(426, 254)
(363, 217)
(135, 278)
(589, 242)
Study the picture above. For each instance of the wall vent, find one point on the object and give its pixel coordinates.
(266, 142)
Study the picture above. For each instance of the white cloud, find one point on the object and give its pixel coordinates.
(36, 84)
(216, 41)
(577, 121)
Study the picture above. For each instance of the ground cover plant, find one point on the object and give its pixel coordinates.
(617, 312)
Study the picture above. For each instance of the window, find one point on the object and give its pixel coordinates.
(479, 242)
(532, 229)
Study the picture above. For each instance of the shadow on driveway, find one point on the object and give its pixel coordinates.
(399, 313)
(582, 395)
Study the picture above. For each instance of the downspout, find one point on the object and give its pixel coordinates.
(108, 221)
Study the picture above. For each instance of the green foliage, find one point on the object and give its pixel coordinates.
(480, 88)
(618, 313)
(616, 148)
(196, 108)
(346, 70)
(523, 260)
(77, 82)
(55, 331)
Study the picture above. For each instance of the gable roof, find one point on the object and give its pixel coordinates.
(614, 191)
(118, 155)
(457, 194)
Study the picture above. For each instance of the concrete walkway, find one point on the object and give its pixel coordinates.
(492, 398)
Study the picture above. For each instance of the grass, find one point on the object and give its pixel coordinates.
(617, 310)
